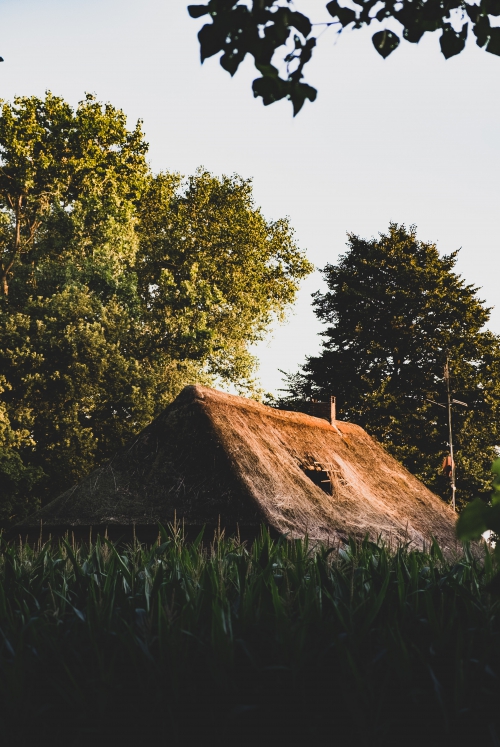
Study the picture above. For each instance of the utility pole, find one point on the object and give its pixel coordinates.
(450, 434)
(449, 402)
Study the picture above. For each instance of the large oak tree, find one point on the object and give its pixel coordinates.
(121, 288)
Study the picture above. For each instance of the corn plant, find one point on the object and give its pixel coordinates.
(276, 642)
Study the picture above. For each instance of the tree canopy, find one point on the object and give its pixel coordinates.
(281, 39)
(212, 272)
(120, 287)
(50, 156)
(394, 310)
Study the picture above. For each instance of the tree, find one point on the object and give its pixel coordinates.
(265, 28)
(130, 287)
(212, 272)
(68, 182)
(395, 310)
(49, 156)
(17, 479)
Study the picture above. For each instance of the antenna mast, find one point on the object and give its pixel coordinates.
(449, 462)
(450, 433)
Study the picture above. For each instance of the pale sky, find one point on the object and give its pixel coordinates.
(412, 139)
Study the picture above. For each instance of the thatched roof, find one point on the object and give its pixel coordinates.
(213, 457)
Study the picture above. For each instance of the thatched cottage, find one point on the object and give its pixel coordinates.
(215, 459)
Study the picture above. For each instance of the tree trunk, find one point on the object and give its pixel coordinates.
(15, 251)
(4, 284)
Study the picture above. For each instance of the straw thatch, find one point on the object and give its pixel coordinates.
(213, 458)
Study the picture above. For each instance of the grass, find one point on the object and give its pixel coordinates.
(275, 643)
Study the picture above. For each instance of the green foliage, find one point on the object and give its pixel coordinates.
(266, 29)
(394, 310)
(119, 288)
(480, 516)
(276, 642)
(385, 42)
(68, 187)
(16, 478)
(237, 30)
(50, 156)
(212, 272)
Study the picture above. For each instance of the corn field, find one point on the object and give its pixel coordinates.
(277, 642)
